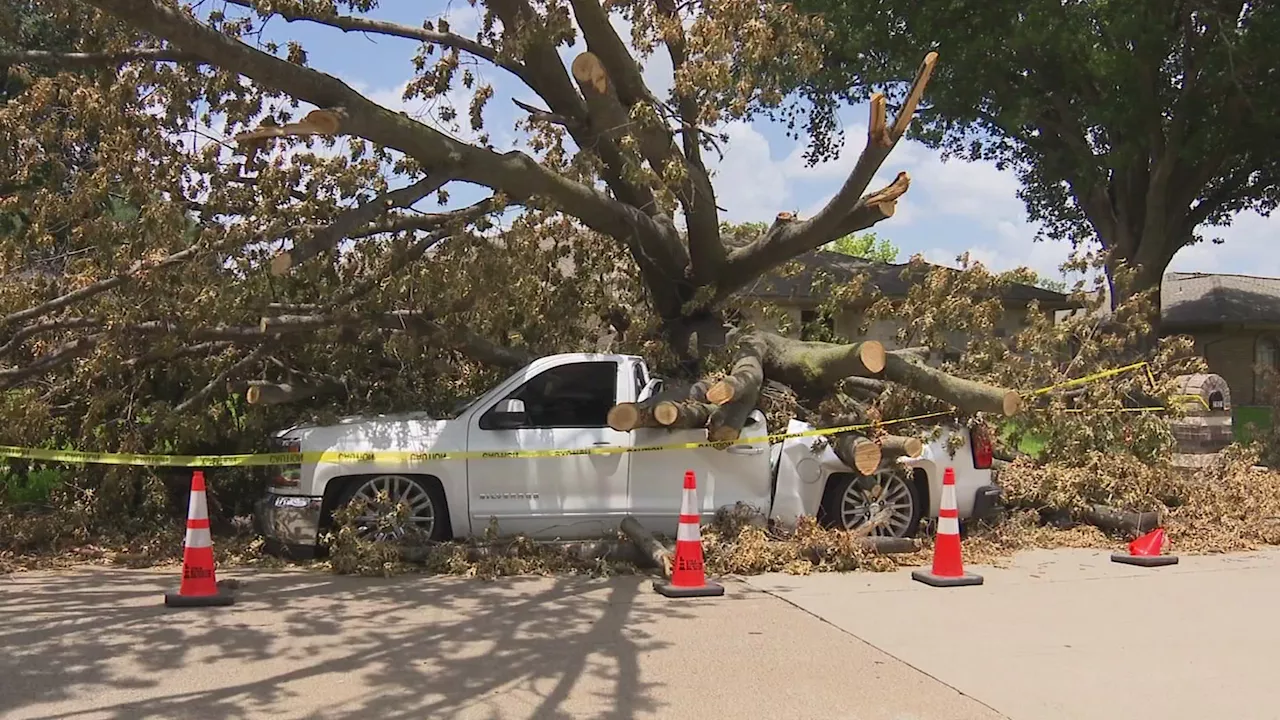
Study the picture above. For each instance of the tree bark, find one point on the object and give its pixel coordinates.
(267, 393)
(968, 396)
(655, 551)
(683, 414)
(727, 421)
(895, 446)
(808, 366)
(625, 417)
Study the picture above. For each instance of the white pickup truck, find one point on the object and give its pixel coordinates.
(560, 402)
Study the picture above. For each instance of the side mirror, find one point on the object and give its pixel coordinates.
(510, 413)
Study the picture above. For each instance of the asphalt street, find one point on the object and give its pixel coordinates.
(1062, 634)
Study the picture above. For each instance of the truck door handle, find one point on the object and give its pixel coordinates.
(744, 450)
(602, 443)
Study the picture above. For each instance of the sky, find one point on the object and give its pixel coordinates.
(952, 207)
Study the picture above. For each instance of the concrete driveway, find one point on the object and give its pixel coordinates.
(98, 643)
(1067, 634)
(1062, 634)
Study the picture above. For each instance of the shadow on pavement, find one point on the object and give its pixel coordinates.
(100, 642)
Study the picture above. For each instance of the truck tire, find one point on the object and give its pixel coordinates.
(429, 512)
(851, 500)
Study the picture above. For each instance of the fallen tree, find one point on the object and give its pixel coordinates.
(815, 374)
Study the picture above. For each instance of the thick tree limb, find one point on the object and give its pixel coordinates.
(657, 143)
(625, 417)
(683, 414)
(814, 367)
(727, 421)
(857, 452)
(430, 221)
(80, 59)
(747, 373)
(347, 222)
(895, 446)
(658, 554)
(866, 387)
(352, 23)
(268, 393)
(968, 396)
(705, 246)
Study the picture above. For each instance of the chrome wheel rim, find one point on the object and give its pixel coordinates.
(890, 492)
(396, 505)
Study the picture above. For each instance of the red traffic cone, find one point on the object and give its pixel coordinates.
(1145, 551)
(199, 586)
(948, 566)
(688, 575)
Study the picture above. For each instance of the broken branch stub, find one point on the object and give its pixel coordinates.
(747, 373)
(857, 452)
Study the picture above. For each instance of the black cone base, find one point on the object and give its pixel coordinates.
(1144, 560)
(707, 589)
(928, 578)
(223, 598)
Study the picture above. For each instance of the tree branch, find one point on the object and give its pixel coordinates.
(429, 221)
(352, 23)
(849, 210)
(220, 379)
(347, 222)
(96, 288)
(516, 174)
(56, 359)
(657, 143)
(79, 59)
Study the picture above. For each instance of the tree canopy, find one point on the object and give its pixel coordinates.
(865, 245)
(1139, 124)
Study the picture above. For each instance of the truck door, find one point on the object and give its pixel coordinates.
(738, 473)
(575, 496)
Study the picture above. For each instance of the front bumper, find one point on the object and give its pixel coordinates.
(289, 523)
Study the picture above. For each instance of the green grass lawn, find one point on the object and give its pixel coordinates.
(1030, 444)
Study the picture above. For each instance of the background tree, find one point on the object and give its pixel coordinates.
(865, 245)
(1137, 124)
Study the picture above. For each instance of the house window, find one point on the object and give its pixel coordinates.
(816, 326)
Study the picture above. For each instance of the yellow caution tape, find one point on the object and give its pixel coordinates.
(390, 456)
(1096, 376)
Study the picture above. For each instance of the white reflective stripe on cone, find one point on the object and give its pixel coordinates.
(688, 532)
(198, 538)
(948, 497)
(948, 526)
(197, 507)
(689, 503)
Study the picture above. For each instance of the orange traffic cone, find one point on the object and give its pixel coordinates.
(1145, 551)
(948, 566)
(199, 586)
(688, 576)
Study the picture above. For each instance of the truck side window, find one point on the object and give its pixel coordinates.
(574, 395)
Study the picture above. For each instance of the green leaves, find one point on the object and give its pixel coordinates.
(1132, 124)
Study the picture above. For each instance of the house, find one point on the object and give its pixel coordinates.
(1235, 321)
(799, 294)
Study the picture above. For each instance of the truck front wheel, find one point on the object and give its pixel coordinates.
(851, 501)
(398, 505)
